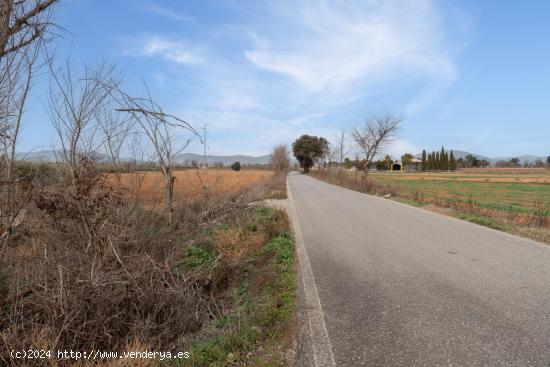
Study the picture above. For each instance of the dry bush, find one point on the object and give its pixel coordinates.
(61, 290)
(277, 186)
(236, 243)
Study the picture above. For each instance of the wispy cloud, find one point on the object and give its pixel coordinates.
(348, 46)
(314, 67)
(176, 51)
(169, 14)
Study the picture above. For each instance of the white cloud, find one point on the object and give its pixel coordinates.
(176, 51)
(343, 47)
(290, 68)
(169, 14)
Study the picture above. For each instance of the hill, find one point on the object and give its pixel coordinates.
(227, 160)
(51, 156)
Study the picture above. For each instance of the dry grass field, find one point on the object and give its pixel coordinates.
(191, 183)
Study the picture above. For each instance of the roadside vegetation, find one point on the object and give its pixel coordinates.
(113, 247)
(252, 325)
(216, 281)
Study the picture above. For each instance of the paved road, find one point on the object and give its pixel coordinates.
(400, 286)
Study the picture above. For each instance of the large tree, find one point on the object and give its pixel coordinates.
(308, 149)
(375, 135)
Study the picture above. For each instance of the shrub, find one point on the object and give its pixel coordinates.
(236, 166)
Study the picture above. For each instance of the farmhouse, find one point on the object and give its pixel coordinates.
(415, 164)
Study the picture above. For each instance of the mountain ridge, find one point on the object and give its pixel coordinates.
(52, 156)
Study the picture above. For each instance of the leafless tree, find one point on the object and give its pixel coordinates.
(17, 70)
(340, 148)
(375, 135)
(115, 129)
(279, 160)
(74, 102)
(161, 130)
(23, 22)
(23, 26)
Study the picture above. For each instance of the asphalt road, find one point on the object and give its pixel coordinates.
(392, 285)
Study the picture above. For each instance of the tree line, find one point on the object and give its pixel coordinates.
(438, 161)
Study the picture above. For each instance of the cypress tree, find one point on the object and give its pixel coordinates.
(428, 162)
(452, 162)
(437, 161)
(443, 164)
(447, 164)
(424, 162)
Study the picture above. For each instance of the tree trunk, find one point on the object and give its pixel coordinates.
(170, 196)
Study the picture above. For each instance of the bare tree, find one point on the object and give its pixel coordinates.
(23, 25)
(340, 148)
(74, 103)
(17, 70)
(23, 22)
(375, 135)
(115, 129)
(161, 130)
(279, 158)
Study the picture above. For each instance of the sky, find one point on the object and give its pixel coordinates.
(467, 75)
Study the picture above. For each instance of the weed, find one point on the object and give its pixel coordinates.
(196, 256)
(265, 213)
(541, 211)
(484, 221)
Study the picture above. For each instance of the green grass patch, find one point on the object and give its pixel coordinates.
(196, 256)
(263, 304)
(507, 197)
(265, 213)
(484, 221)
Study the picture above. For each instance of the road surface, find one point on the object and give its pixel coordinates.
(385, 284)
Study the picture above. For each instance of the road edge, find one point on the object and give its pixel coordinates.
(323, 355)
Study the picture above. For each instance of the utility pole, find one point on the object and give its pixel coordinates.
(205, 165)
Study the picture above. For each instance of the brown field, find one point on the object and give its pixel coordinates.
(150, 186)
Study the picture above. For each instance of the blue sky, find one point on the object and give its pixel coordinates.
(470, 75)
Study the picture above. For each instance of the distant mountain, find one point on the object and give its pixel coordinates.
(41, 156)
(462, 154)
(50, 156)
(227, 160)
(522, 158)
